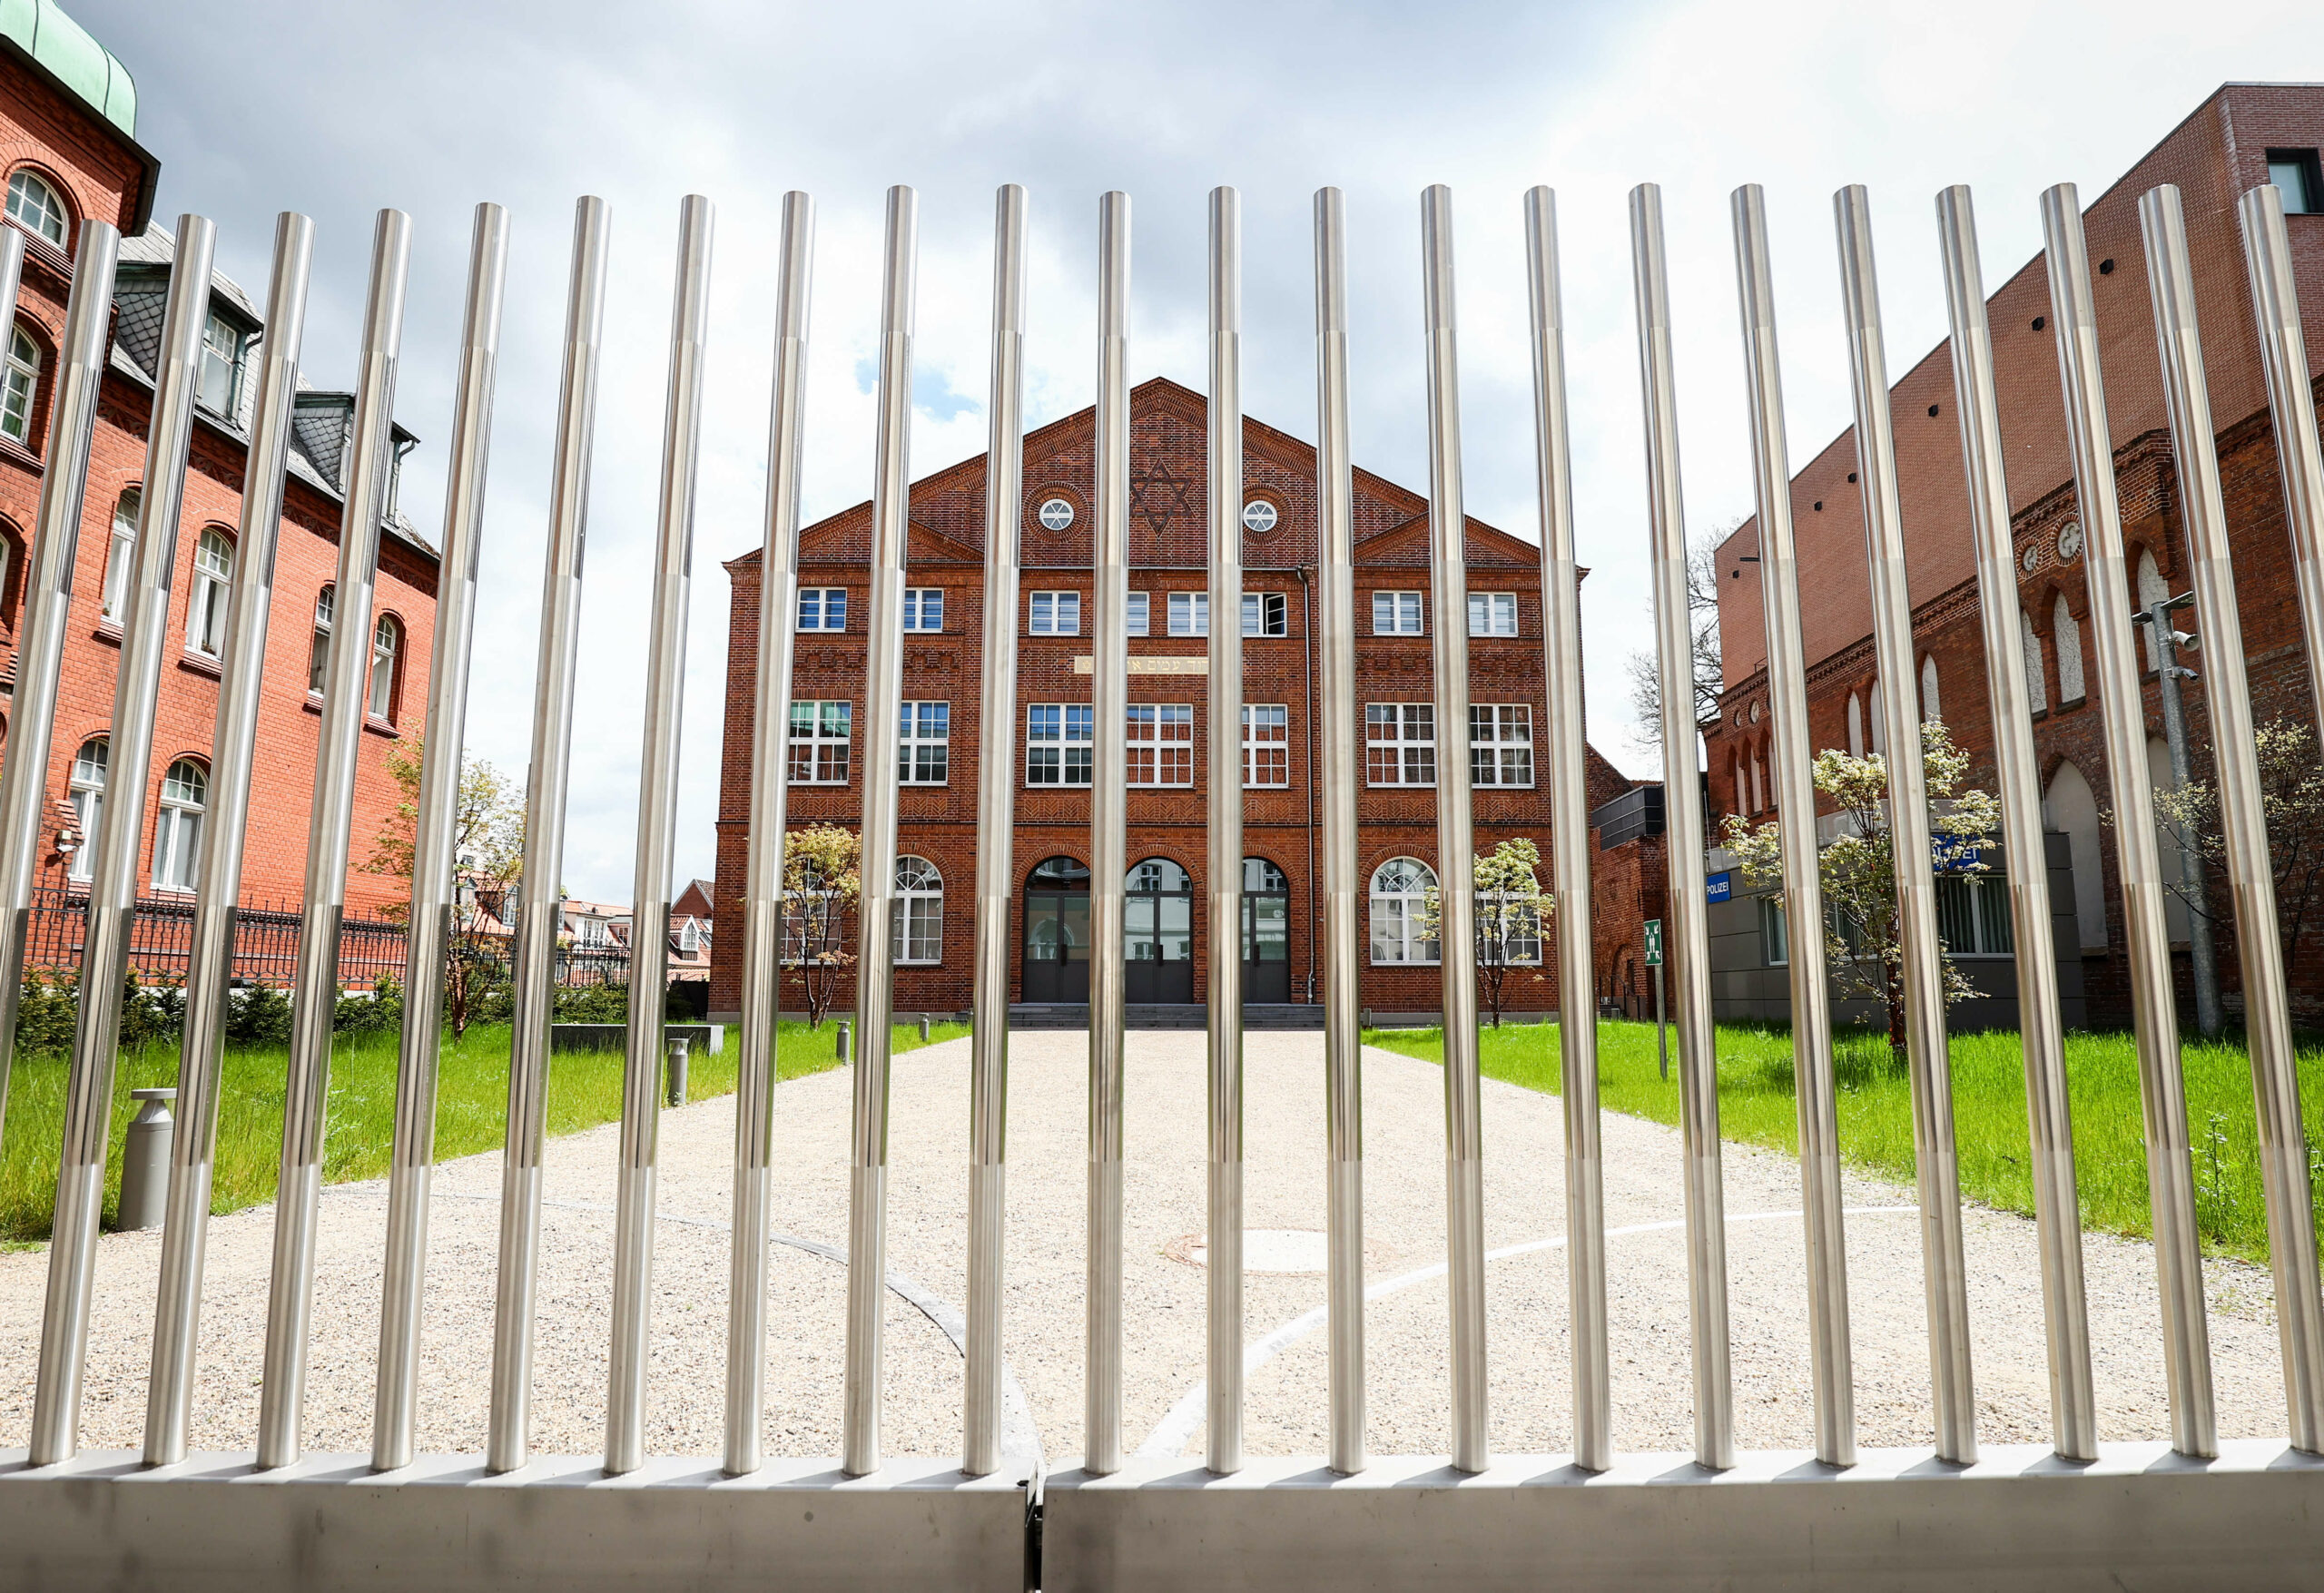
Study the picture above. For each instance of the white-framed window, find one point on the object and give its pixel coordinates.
(1520, 923)
(87, 794)
(919, 917)
(1054, 614)
(219, 386)
(1401, 889)
(923, 608)
(1501, 743)
(1775, 933)
(387, 645)
(1266, 614)
(205, 610)
(1061, 742)
(923, 743)
(821, 734)
(1267, 743)
(1259, 516)
(1139, 617)
(32, 201)
(1400, 743)
(1190, 613)
(177, 831)
(1973, 915)
(1492, 614)
(121, 554)
(19, 384)
(1161, 744)
(1056, 514)
(1397, 613)
(318, 650)
(822, 608)
(690, 937)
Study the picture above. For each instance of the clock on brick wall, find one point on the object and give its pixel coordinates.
(2070, 542)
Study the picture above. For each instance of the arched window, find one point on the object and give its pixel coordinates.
(33, 201)
(205, 611)
(387, 644)
(121, 554)
(2068, 629)
(88, 799)
(2037, 684)
(1856, 725)
(1758, 787)
(2152, 589)
(1879, 721)
(1931, 709)
(920, 911)
(1401, 891)
(318, 653)
(177, 833)
(19, 383)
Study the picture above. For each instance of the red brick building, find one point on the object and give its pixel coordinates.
(67, 126)
(2244, 136)
(1168, 760)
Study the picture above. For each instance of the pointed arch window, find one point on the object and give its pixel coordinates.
(2068, 629)
(2037, 685)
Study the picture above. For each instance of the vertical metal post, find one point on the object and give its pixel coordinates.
(1344, 896)
(2291, 404)
(2162, 1089)
(1464, 1189)
(2202, 951)
(1803, 889)
(509, 1435)
(2017, 767)
(657, 834)
(1687, 945)
(763, 882)
(2267, 1007)
(1004, 509)
(1927, 1051)
(1585, 1177)
(1108, 846)
(113, 889)
(435, 886)
(314, 988)
(875, 972)
(210, 961)
(1223, 1384)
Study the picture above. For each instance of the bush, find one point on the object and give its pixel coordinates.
(261, 1017)
(593, 1004)
(46, 1013)
(379, 1012)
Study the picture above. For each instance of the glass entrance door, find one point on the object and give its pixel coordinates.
(1056, 932)
(1158, 933)
(1266, 934)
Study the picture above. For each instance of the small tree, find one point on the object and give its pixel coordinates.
(1511, 908)
(821, 884)
(1863, 936)
(2291, 794)
(489, 847)
(1706, 666)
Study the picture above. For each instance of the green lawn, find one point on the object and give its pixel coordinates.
(472, 1107)
(1756, 1107)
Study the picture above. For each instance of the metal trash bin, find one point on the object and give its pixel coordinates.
(145, 1161)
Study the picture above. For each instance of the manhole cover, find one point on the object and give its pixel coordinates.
(1265, 1250)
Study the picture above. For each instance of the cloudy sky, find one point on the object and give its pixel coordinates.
(429, 107)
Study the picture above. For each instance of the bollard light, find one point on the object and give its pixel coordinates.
(677, 1078)
(145, 1161)
(842, 1043)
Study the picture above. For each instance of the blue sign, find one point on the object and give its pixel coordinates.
(1952, 856)
(1722, 887)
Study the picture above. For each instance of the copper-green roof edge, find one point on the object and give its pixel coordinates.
(74, 58)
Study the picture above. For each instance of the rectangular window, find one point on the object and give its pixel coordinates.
(1973, 915)
(1054, 614)
(1266, 614)
(2295, 173)
(819, 734)
(1775, 933)
(218, 389)
(1492, 614)
(1161, 744)
(822, 608)
(1060, 739)
(1190, 613)
(1267, 743)
(1501, 743)
(1400, 743)
(1140, 620)
(923, 608)
(1396, 614)
(924, 745)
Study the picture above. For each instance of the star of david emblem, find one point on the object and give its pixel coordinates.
(1157, 495)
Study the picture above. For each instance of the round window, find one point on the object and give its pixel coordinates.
(2070, 541)
(1259, 516)
(1056, 514)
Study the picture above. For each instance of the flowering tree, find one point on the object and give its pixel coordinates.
(1511, 908)
(822, 882)
(2291, 794)
(489, 847)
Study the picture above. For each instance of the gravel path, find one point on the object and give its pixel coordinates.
(1407, 1372)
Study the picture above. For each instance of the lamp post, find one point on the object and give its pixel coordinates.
(2201, 953)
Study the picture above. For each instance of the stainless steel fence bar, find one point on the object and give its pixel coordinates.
(1344, 896)
(1929, 1054)
(2250, 877)
(875, 973)
(1568, 753)
(1108, 846)
(1004, 509)
(508, 1436)
(435, 850)
(762, 887)
(1687, 944)
(210, 957)
(1455, 843)
(2291, 403)
(1224, 1373)
(2049, 1121)
(2177, 1256)
(119, 842)
(314, 989)
(658, 833)
(1811, 1005)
